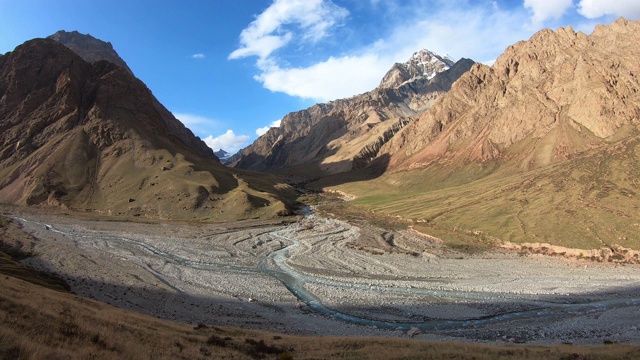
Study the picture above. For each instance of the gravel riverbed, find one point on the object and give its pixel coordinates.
(311, 278)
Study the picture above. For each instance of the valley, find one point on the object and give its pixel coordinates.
(314, 276)
(455, 202)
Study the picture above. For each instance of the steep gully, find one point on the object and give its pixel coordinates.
(275, 265)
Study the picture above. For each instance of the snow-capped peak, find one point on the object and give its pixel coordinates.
(429, 63)
(422, 64)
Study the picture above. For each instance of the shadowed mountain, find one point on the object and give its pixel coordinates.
(91, 136)
(347, 134)
(541, 147)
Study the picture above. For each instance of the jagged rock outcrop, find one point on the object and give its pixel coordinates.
(326, 138)
(558, 94)
(91, 136)
(423, 63)
(371, 150)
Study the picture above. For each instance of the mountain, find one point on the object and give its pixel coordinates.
(541, 147)
(423, 63)
(89, 48)
(347, 134)
(93, 50)
(90, 136)
(222, 155)
(561, 93)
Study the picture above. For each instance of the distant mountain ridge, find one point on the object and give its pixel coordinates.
(347, 134)
(222, 154)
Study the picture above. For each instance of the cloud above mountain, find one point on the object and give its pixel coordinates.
(284, 20)
(315, 49)
(228, 141)
(593, 9)
(544, 9)
(261, 131)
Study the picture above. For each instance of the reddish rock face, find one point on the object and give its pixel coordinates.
(89, 48)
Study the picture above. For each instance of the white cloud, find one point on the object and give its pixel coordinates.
(489, 62)
(328, 80)
(547, 9)
(477, 30)
(198, 124)
(261, 131)
(268, 32)
(229, 141)
(596, 8)
(198, 56)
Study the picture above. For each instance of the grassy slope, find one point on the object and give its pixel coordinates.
(587, 202)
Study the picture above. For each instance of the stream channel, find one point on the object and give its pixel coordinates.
(275, 265)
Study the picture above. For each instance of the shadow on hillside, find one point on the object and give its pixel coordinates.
(372, 171)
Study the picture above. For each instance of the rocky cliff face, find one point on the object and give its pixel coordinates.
(93, 50)
(89, 48)
(556, 95)
(91, 136)
(327, 138)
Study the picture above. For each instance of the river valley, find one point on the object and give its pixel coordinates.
(313, 277)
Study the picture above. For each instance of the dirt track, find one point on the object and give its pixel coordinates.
(235, 275)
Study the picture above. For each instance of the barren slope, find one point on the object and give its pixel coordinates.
(93, 137)
(347, 134)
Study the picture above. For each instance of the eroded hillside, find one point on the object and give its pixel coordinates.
(91, 136)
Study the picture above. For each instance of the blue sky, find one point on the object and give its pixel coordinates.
(229, 69)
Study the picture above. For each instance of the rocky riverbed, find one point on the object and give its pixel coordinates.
(315, 277)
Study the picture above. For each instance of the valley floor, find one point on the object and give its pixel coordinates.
(326, 277)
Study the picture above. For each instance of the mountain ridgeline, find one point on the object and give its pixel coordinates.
(347, 134)
(80, 131)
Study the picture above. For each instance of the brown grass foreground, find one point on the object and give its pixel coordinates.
(37, 322)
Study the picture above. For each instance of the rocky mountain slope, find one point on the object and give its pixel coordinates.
(91, 136)
(89, 48)
(556, 95)
(544, 146)
(93, 50)
(347, 134)
(222, 154)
